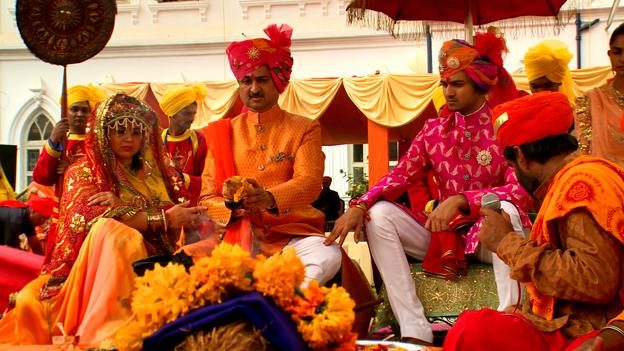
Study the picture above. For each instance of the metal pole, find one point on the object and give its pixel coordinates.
(468, 24)
(429, 50)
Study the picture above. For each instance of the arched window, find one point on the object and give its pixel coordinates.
(35, 136)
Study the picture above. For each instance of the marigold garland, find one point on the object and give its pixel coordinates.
(226, 271)
(279, 276)
(324, 316)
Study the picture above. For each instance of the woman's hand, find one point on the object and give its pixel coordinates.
(181, 215)
(105, 198)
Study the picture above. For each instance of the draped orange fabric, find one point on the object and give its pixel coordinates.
(94, 302)
(587, 182)
(220, 136)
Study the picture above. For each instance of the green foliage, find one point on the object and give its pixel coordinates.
(357, 187)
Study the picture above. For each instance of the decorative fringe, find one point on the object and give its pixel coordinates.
(238, 336)
(359, 15)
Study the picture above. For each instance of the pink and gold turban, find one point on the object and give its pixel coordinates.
(483, 63)
(458, 55)
(246, 56)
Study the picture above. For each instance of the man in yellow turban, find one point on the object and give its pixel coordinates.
(65, 146)
(185, 147)
(546, 66)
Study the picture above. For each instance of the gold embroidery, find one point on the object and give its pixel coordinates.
(499, 121)
(583, 122)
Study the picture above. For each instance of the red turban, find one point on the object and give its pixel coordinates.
(531, 118)
(246, 56)
(42, 205)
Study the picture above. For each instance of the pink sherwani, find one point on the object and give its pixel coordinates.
(465, 158)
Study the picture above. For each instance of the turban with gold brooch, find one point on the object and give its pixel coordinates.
(532, 118)
(246, 56)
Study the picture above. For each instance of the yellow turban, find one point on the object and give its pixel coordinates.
(90, 93)
(438, 98)
(550, 59)
(176, 99)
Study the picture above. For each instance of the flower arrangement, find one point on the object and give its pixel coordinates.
(323, 316)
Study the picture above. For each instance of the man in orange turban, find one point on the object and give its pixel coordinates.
(185, 147)
(65, 146)
(265, 166)
(571, 264)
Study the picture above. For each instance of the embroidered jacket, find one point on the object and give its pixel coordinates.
(465, 158)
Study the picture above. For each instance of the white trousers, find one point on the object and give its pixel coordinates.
(321, 262)
(392, 234)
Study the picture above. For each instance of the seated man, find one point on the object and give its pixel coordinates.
(571, 264)
(185, 147)
(278, 157)
(467, 162)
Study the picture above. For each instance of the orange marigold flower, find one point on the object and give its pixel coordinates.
(306, 306)
(334, 321)
(226, 271)
(278, 276)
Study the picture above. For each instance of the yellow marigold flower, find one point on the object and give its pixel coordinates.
(161, 295)
(278, 276)
(226, 271)
(334, 321)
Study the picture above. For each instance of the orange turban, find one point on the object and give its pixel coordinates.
(532, 118)
(246, 56)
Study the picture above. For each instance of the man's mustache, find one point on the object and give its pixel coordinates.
(255, 95)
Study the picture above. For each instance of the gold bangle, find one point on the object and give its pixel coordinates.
(164, 219)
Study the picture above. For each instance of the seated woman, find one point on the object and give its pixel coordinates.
(121, 204)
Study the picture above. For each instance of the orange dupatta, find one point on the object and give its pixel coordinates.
(592, 183)
(220, 139)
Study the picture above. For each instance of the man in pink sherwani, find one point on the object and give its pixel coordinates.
(461, 150)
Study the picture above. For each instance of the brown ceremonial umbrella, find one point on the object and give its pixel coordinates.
(63, 32)
(407, 19)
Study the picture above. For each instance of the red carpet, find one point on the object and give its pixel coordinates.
(17, 268)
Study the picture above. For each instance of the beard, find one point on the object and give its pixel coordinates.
(530, 184)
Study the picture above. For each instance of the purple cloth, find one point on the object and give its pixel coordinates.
(276, 326)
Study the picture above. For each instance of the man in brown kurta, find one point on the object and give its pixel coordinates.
(571, 265)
